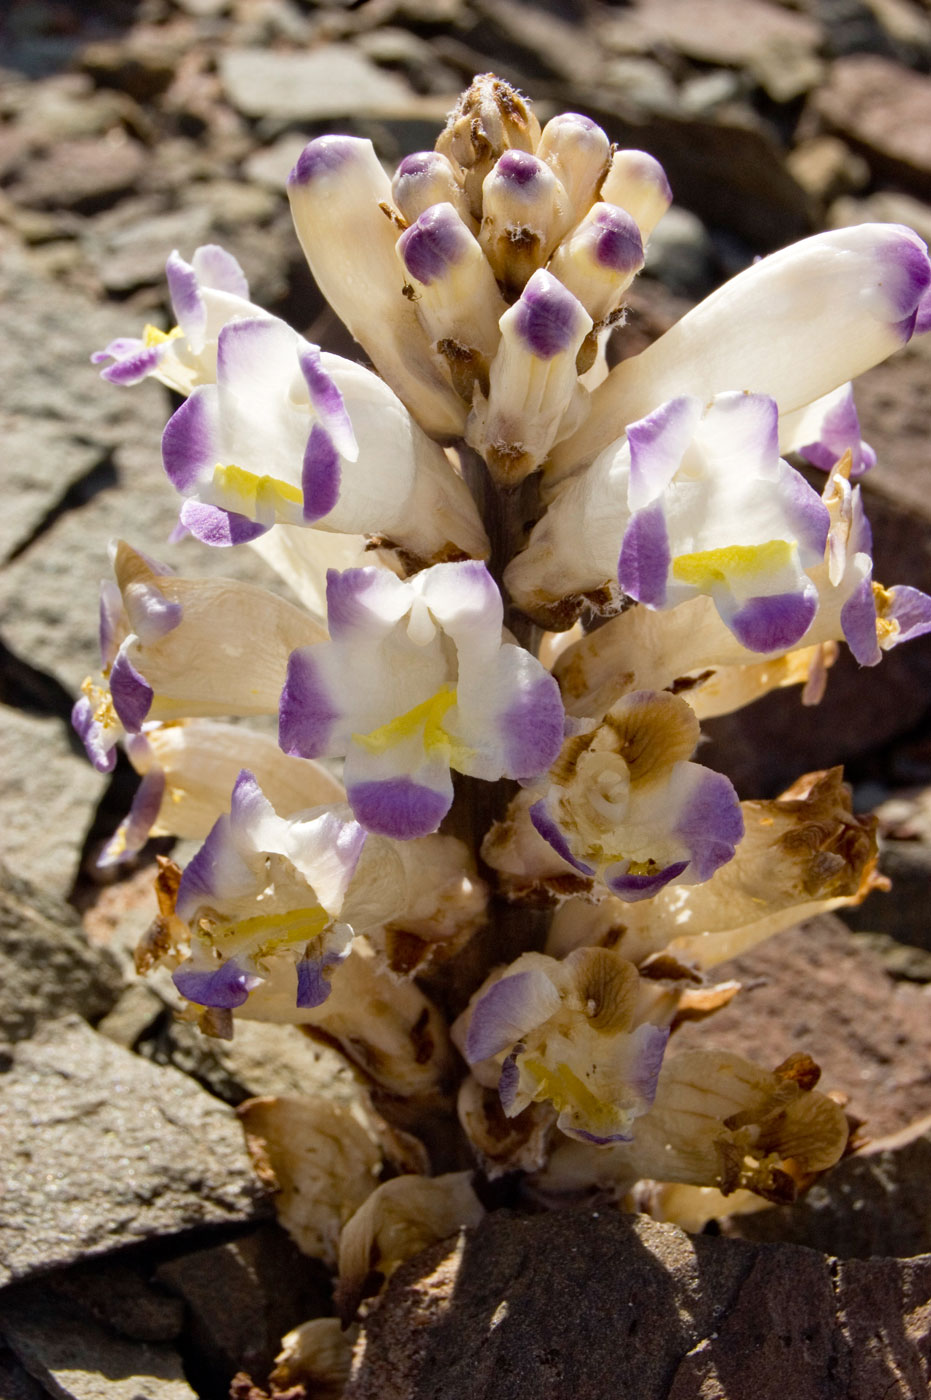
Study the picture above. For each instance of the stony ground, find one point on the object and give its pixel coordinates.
(139, 1256)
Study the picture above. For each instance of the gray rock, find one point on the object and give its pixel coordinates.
(680, 253)
(47, 968)
(243, 1296)
(103, 1150)
(330, 81)
(76, 1359)
(603, 1305)
(875, 1203)
(48, 794)
(262, 1058)
(15, 1381)
(641, 83)
(118, 1295)
(83, 175)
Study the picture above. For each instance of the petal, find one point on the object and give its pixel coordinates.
(191, 442)
(551, 832)
(229, 986)
(132, 694)
(135, 828)
(308, 710)
(511, 1007)
(774, 622)
(217, 527)
(856, 290)
(400, 807)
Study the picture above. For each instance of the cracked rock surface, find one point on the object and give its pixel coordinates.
(602, 1305)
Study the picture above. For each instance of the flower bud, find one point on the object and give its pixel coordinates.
(526, 211)
(424, 179)
(491, 117)
(600, 259)
(578, 152)
(458, 301)
(637, 182)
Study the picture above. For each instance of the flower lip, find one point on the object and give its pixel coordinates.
(398, 807)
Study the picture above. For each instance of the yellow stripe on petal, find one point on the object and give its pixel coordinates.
(151, 335)
(249, 491)
(264, 933)
(737, 562)
(428, 716)
(566, 1091)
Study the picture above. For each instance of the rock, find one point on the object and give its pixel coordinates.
(816, 988)
(48, 793)
(47, 968)
(884, 109)
(271, 165)
(602, 1305)
(133, 1016)
(15, 1381)
(884, 207)
(134, 256)
(680, 254)
(76, 1359)
(83, 175)
(243, 1296)
(330, 81)
(102, 1150)
(641, 83)
(905, 847)
(262, 1058)
(825, 167)
(875, 1203)
(544, 45)
(778, 46)
(117, 1294)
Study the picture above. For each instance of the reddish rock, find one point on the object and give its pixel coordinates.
(885, 109)
(600, 1306)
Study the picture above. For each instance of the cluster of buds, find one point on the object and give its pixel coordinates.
(459, 745)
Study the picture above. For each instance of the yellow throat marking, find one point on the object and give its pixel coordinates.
(249, 490)
(739, 563)
(263, 933)
(428, 716)
(151, 335)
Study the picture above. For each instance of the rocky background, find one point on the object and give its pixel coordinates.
(139, 1256)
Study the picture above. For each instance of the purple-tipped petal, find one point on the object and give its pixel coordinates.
(133, 360)
(191, 444)
(636, 887)
(307, 711)
(532, 729)
(923, 315)
(347, 599)
(133, 831)
(858, 622)
(186, 299)
(433, 243)
(217, 527)
(657, 445)
(320, 474)
(313, 987)
(323, 156)
(911, 609)
(520, 168)
(398, 807)
(328, 402)
(549, 319)
(907, 279)
(651, 1047)
(509, 1079)
(840, 430)
(228, 987)
(510, 1008)
(643, 563)
(110, 622)
(617, 244)
(131, 692)
(808, 516)
(552, 834)
(710, 821)
(98, 745)
(219, 270)
(775, 622)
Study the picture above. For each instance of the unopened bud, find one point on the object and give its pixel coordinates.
(600, 259)
(424, 179)
(578, 152)
(534, 391)
(526, 212)
(637, 182)
(458, 301)
(490, 118)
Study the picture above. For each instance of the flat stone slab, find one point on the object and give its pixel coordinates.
(75, 1358)
(102, 1150)
(330, 81)
(610, 1306)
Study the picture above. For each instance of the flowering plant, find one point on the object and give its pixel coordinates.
(481, 858)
